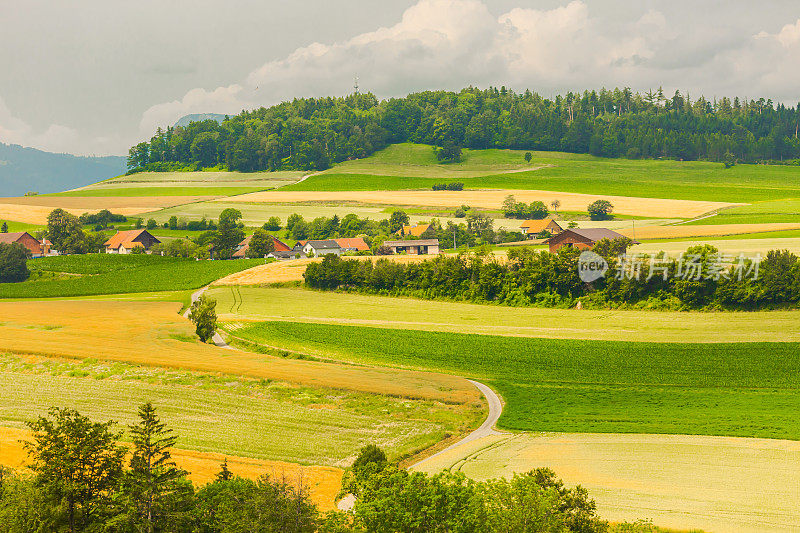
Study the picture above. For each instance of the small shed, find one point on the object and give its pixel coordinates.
(583, 239)
(123, 242)
(418, 247)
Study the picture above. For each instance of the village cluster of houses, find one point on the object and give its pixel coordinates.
(125, 242)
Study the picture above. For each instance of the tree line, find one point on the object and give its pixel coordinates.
(81, 479)
(539, 278)
(314, 133)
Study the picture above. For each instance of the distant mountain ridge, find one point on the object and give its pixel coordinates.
(28, 169)
(197, 117)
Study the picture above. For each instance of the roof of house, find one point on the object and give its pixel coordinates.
(594, 234)
(8, 238)
(419, 242)
(280, 246)
(326, 244)
(126, 238)
(414, 231)
(354, 242)
(537, 226)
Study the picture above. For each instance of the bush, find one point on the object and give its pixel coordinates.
(600, 210)
(14, 263)
(273, 224)
(453, 186)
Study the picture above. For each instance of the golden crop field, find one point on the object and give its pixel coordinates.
(679, 481)
(708, 230)
(144, 333)
(491, 199)
(322, 481)
(288, 271)
(34, 209)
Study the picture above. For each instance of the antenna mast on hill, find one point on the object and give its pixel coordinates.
(355, 84)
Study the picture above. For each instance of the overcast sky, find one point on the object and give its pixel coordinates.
(95, 76)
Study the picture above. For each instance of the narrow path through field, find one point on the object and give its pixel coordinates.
(486, 429)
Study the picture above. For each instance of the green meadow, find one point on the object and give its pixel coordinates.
(96, 274)
(735, 389)
(787, 210)
(408, 166)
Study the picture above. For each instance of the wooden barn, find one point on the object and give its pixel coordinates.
(583, 239)
(36, 247)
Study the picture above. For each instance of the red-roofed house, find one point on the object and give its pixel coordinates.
(353, 244)
(35, 247)
(241, 249)
(125, 241)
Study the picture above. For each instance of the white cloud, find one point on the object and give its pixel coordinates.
(55, 138)
(439, 44)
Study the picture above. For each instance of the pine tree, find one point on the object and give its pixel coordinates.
(224, 474)
(154, 478)
(4, 229)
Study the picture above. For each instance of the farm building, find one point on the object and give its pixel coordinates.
(354, 244)
(242, 247)
(418, 247)
(36, 247)
(532, 228)
(322, 247)
(413, 231)
(125, 241)
(583, 239)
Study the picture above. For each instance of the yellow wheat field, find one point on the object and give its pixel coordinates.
(491, 199)
(139, 333)
(288, 271)
(34, 209)
(707, 230)
(323, 482)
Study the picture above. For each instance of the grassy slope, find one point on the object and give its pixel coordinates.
(746, 389)
(115, 274)
(226, 414)
(115, 192)
(787, 210)
(256, 303)
(413, 166)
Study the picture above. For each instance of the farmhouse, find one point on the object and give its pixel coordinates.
(418, 247)
(354, 244)
(36, 247)
(583, 239)
(322, 247)
(244, 246)
(532, 228)
(413, 231)
(125, 241)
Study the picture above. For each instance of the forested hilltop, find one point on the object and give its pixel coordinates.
(311, 134)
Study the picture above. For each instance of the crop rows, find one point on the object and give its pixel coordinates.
(133, 274)
(740, 389)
